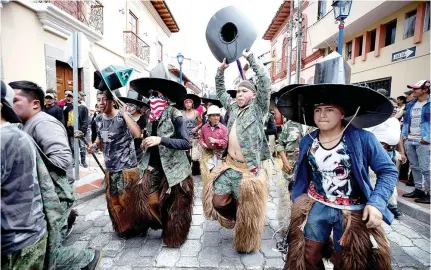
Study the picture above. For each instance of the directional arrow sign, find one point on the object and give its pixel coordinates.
(404, 54)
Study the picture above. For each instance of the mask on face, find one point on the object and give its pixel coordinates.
(157, 105)
(131, 108)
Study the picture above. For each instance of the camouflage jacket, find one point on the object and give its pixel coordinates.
(290, 136)
(250, 120)
(174, 162)
(58, 197)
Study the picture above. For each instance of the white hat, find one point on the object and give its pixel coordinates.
(213, 109)
(422, 84)
(52, 95)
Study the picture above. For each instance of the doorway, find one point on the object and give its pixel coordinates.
(64, 74)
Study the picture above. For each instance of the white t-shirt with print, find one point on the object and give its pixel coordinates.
(415, 121)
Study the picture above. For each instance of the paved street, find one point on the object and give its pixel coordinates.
(210, 246)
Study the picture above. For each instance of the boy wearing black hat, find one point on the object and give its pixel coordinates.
(332, 192)
(24, 233)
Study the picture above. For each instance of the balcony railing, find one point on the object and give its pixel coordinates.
(89, 12)
(279, 68)
(135, 45)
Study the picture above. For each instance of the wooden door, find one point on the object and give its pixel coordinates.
(65, 79)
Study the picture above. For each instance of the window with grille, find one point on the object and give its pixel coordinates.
(159, 51)
(373, 40)
(391, 30)
(409, 24)
(321, 9)
(349, 50)
(427, 17)
(360, 43)
(133, 23)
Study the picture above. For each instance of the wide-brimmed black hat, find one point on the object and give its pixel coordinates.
(276, 95)
(332, 86)
(7, 112)
(213, 101)
(232, 93)
(134, 98)
(160, 80)
(170, 89)
(196, 101)
(299, 103)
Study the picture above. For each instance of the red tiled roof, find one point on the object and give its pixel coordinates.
(166, 15)
(278, 20)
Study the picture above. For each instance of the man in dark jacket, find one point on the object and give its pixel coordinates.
(51, 108)
(82, 124)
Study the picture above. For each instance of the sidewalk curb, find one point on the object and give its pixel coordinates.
(87, 196)
(413, 210)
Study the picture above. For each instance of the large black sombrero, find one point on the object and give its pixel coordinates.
(196, 101)
(299, 103)
(276, 95)
(213, 101)
(160, 80)
(134, 98)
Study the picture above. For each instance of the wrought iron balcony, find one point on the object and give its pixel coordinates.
(89, 12)
(135, 45)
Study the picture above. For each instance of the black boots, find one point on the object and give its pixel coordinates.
(417, 193)
(425, 199)
(394, 210)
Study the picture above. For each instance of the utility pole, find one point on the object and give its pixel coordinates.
(289, 41)
(299, 43)
(75, 101)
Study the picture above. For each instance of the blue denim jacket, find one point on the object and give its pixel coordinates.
(425, 120)
(364, 151)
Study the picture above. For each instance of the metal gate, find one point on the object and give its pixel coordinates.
(383, 83)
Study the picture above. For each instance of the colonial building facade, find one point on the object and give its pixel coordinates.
(127, 33)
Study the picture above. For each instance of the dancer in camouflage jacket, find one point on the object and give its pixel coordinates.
(164, 165)
(236, 193)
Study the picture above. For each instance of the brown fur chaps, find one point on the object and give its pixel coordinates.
(358, 252)
(176, 207)
(251, 211)
(129, 211)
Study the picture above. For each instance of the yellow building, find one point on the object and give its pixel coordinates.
(386, 43)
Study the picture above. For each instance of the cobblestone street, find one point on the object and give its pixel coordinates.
(209, 246)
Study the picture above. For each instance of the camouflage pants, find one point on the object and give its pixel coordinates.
(72, 258)
(156, 176)
(31, 257)
(290, 177)
(116, 183)
(228, 183)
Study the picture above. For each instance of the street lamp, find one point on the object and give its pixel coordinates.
(341, 12)
(180, 59)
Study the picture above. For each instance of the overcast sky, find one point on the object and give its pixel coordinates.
(193, 16)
